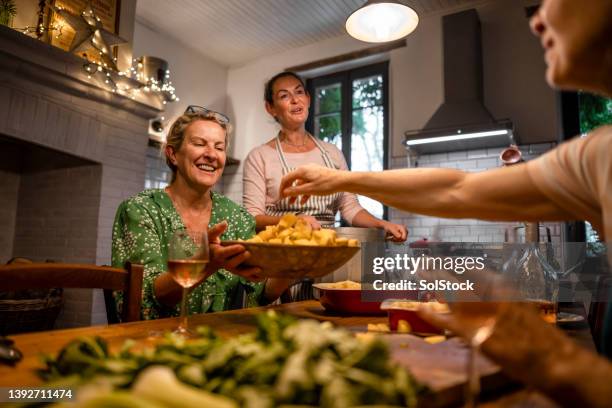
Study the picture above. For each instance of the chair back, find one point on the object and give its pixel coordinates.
(301, 290)
(64, 275)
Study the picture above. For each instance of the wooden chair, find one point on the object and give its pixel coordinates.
(53, 275)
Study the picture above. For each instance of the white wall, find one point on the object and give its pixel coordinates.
(197, 79)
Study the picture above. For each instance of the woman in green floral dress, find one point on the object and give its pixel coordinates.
(196, 153)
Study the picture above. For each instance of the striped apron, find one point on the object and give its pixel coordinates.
(323, 208)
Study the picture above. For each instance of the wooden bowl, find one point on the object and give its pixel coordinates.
(295, 261)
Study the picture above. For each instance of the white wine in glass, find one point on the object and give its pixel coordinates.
(186, 272)
(479, 319)
(188, 256)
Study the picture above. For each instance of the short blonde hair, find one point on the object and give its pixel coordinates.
(176, 134)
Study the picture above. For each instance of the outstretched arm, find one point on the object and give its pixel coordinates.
(500, 194)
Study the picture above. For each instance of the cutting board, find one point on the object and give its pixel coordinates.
(442, 368)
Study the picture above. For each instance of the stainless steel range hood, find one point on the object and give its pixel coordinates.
(462, 121)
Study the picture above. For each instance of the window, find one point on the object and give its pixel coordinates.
(594, 111)
(350, 110)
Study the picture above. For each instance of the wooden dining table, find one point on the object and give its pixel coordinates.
(225, 324)
(236, 322)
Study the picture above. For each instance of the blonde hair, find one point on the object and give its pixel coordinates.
(176, 134)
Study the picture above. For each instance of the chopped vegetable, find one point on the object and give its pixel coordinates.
(159, 385)
(284, 362)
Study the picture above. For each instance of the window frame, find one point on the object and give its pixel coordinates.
(346, 78)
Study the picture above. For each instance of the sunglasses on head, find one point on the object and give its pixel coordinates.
(200, 109)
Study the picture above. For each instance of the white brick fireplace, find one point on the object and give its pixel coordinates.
(70, 152)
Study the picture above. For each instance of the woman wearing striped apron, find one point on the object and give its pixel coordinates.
(288, 101)
(322, 208)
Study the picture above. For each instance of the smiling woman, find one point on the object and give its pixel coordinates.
(196, 153)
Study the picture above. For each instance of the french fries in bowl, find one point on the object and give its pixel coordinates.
(292, 249)
(345, 298)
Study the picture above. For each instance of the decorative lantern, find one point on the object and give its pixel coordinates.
(154, 74)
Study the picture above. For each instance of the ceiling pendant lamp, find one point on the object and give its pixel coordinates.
(381, 21)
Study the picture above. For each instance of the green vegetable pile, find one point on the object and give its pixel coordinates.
(285, 362)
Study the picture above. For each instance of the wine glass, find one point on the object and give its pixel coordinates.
(478, 320)
(188, 256)
(476, 315)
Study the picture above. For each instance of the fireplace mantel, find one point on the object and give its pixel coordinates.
(65, 213)
(26, 57)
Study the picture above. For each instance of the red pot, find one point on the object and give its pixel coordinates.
(346, 301)
(405, 310)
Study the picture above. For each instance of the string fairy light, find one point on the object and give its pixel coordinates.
(91, 34)
(116, 81)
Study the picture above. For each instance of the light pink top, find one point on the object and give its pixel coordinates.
(577, 175)
(263, 172)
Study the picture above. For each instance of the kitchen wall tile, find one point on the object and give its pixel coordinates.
(466, 164)
(494, 151)
(477, 154)
(466, 230)
(457, 155)
(487, 163)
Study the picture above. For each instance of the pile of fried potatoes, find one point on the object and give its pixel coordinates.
(346, 284)
(292, 230)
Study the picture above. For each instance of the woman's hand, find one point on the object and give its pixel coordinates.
(311, 220)
(397, 232)
(168, 292)
(229, 257)
(309, 180)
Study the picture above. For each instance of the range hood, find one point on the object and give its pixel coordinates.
(462, 122)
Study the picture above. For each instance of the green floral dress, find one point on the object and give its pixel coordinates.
(143, 227)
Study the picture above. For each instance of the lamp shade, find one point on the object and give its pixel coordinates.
(381, 21)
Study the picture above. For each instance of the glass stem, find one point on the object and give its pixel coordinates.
(183, 322)
(473, 382)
